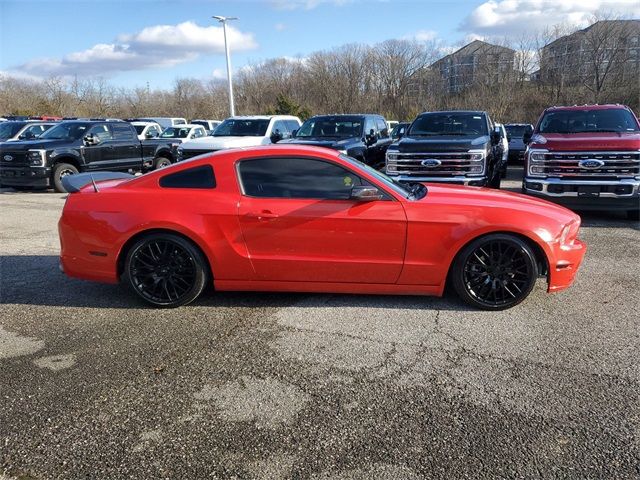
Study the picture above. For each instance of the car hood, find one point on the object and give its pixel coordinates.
(589, 141)
(24, 145)
(490, 198)
(442, 144)
(219, 143)
(335, 143)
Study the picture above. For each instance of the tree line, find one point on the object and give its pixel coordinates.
(379, 78)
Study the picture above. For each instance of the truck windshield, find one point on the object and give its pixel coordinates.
(242, 128)
(617, 120)
(517, 131)
(453, 123)
(175, 132)
(66, 131)
(346, 127)
(9, 129)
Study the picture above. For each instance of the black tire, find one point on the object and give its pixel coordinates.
(59, 171)
(495, 272)
(166, 270)
(633, 215)
(161, 162)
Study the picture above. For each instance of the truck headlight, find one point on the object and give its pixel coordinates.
(392, 156)
(536, 156)
(36, 157)
(476, 156)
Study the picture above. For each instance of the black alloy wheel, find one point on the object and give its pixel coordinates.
(495, 272)
(166, 270)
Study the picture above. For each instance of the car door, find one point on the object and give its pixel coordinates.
(300, 224)
(371, 149)
(126, 153)
(384, 140)
(100, 156)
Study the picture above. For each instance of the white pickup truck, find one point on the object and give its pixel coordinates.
(241, 131)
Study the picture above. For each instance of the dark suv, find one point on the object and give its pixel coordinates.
(364, 137)
(460, 147)
(515, 135)
(71, 147)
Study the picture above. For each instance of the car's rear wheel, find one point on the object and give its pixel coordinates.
(495, 272)
(60, 171)
(166, 270)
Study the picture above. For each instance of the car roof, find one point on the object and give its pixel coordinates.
(608, 106)
(476, 112)
(263, 117)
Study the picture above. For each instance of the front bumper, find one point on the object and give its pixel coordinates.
(469, 181)
(25, 176)
(586, 194)
(567, 260)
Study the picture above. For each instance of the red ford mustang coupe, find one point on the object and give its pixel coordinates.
(308, 219)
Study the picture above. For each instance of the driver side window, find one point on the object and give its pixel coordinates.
(296, 178)
(370, 124)
(100, 131)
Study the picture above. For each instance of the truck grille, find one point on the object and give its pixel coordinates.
(18, 159)
(187, 154)
(588, 165)
(435, 164)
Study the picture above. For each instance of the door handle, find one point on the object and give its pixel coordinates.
(263, 215)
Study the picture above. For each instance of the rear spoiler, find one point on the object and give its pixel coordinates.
(74, 183)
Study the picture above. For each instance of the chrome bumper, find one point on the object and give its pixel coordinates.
(631, 186)
(473, 181)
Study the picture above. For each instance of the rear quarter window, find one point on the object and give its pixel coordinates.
(197, 177)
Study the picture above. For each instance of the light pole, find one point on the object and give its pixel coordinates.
(223, 21)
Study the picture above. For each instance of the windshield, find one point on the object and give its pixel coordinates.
(175, 132)
(66, 131)
(517, 131)
(242, 128)
(341, 127)
(198, 122)
(454, 123)
(9, 129)
(584, 121)
(397, 187)
(139, 128)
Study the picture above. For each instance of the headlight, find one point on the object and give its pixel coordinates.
(392, 155)
(36, 157)
(569, 233)
(476, 155)
(537, 156)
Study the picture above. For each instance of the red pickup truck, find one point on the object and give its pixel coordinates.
(585, 157)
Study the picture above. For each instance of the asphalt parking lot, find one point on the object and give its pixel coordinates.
(252, 385)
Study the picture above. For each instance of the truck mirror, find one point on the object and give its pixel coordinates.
(526, 138)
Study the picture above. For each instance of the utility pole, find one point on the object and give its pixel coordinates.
(223, 21)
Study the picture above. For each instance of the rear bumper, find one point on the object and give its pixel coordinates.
(567, 260)
(470, 181)
(602, 195)
(25, 176)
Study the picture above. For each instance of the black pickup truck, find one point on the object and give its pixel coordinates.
(364, 137)
(79, 146)
(460, 147)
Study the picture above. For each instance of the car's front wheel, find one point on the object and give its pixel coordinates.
(60, 171)
(160, 162)
(165, 270)
(495, 272)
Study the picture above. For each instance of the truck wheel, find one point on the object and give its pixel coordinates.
(633, 215)
(161, 162)
(59, 171)
(494, 272)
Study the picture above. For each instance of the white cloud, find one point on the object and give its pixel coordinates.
(422, 36)
(506, 17)
(280, 26)
(152, 47)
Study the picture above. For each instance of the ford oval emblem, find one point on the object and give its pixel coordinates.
(591, 163)
(8, 158)
(431, 163)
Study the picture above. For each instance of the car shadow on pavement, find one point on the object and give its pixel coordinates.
(37, 280)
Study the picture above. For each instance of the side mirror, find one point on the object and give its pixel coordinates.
(149, 135)
(526, 138)
(91, 139)
(276, 136)
(365, 194)
(294, 133)
(370, 139)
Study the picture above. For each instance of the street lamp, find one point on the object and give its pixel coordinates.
(223, 21)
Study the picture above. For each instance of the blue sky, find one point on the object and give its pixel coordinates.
(138, 41)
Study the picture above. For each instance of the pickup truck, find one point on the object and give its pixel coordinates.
(364, 137)
(456, 147)
(76, 146)
(241, 131)
(585, 157)
(13, 131)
